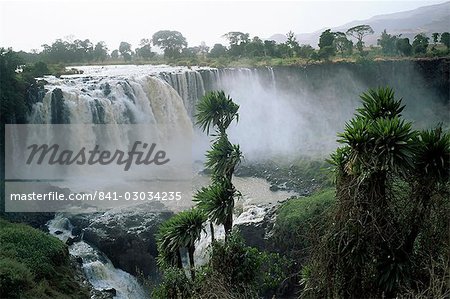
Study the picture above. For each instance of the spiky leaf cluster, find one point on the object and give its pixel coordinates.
(380, 103)
(215, 201)
(377, 139)
(223, 157)
(180, 231)
(216, 110)
(432, 159)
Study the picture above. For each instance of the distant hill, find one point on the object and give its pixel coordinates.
(426, 19)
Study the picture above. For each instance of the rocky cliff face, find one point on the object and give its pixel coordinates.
(423, 84)
(126, 236)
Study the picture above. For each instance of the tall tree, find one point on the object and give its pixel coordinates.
(125, 50)
(270, 48)
(100, 52)
(326, 44)
(145, 49)
(435, 37)
(305, 51)
(218, 50)
(172, 42)
(420, 44)
(387, 43)
(255, 48)
(403, 46)
(445, 39)
(59, 51)
(15, 89)
(85, 48)
(292, 44)
(359, 32)
(238, 41)
(115, 54)
(431, 169)
(237, 38)
(217, 111)
(203, 49)
(180, 231)
(342, 44)
(361, 258)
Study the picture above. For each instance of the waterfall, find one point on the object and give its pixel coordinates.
(111, 100)
(282, 105)
(189, 86)
(98, 269)
(251, 215)
(272, 77)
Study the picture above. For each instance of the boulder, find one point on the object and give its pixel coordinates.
(126, 236)
(255, 225)
(72, 240)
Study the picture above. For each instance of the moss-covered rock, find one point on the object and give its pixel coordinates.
(300, 222)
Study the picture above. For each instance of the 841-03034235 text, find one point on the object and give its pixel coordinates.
(99, 195)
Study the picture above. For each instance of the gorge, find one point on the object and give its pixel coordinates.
(285, 111)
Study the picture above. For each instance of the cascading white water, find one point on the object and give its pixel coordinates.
(252, 214)
(113, 100)
(98, 269)
(189, 86)
(118, 96)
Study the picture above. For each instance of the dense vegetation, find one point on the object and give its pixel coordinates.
(18, 90)
(391, 204)
(35, 265)
(381, 232)
(242, 50)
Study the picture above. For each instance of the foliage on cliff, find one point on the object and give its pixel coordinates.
(34, 264)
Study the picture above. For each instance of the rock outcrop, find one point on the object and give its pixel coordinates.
(126, 236)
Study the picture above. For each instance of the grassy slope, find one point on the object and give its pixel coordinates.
(300, 221)
(34, 264)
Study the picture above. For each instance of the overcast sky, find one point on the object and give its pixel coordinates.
(26, 25)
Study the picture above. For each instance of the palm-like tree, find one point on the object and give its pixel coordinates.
(378, 139)
(217, 110)
(377, 144)
(180, 231)
(432, 158)
(431, 167)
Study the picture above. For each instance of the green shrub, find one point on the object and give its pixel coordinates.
(174, 284)
(273, 274)
(34, 264)
(241, 267)
(300, 222)
(35, 249)
(14, 278)
(238, 263)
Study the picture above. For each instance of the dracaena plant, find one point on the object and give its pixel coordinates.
(217, 111)
(217, 200)
(380, 103)
(432, 158)
(180, 231)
